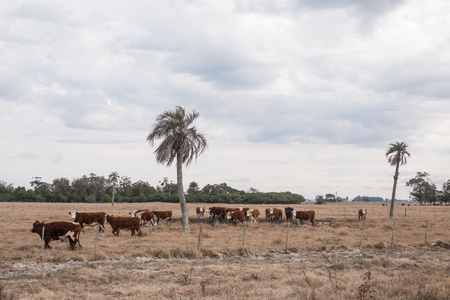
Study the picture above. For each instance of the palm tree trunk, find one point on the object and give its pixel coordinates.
(183, 206)
(394, 188)
(112, 200)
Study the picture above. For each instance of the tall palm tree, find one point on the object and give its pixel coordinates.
(396, 156)
(180, 141)
(113, 177)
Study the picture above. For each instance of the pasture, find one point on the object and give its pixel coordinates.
(125, 267)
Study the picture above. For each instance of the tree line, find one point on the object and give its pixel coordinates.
(424, 191)
(101, 189)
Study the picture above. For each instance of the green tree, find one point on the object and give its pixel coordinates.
(445, 194)
(180, 141)
(113, 178)
(423, 190)
(396, 155)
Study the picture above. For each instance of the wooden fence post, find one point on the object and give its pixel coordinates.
(150, 235)
(96, 240)
(393, 232)
(42, 242)
(405, 211)
(362, 233)
(199, 246)
(287, 237)
(326, 236)
(426, 233)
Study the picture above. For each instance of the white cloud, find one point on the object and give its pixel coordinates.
(302, 96)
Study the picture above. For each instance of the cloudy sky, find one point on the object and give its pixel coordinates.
(302, 96)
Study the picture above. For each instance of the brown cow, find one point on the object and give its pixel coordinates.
(147, 217)
(362, 213)
(255, 215)
(238, 215)
(229, 209)
(163, 214)
(129, 223)
(274, 214)
(89, 218)
(305, 215)
(201, 212)
(134, 213)
(217, 211)
(59, 231)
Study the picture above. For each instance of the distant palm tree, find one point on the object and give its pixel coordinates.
(396, 156)
(180, 140)
(113, 177)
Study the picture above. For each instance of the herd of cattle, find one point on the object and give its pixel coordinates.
(62, 230)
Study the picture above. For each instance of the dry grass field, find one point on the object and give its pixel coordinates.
(125, 267)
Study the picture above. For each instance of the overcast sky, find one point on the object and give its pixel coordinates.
(302, 96)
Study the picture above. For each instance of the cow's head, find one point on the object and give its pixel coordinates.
(138, 215)
(248, 213)
(73, 214)
(228, 215)
(206, 210)
(201, 209)
(37, 227)
(271, 211)
(364, 211)
(133, 213)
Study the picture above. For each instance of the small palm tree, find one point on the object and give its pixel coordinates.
(396, 156)
(180, 141)
(113, 177)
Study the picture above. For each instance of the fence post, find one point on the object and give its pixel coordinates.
(326, 235)
(243, 239)
(287, 236)
(426, 233)
(96, 208)
(96, 239)
(405, 211)
(393, 232)
(42, 242)
(13, 207)
(150, 226)
(199, 246)
(362, 232)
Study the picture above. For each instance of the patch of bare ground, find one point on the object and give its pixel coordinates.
(126, 267)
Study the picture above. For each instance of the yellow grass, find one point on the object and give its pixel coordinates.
(225, 268)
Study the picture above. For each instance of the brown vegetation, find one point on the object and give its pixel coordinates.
(224, 268)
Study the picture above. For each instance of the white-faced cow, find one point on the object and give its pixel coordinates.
(305, 215)
(89, 218)
(129, 223)
(58, 231)
(255, 215)
(362, 213)
(201, 210)
(238, 216)
(147, 217)
(134, 213)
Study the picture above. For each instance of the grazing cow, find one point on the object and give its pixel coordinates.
(229, 209)
(217, 211)
(147, 217)
(305, 215)
(59, 231)
(129, 223)
(238, 215)
(288, 211)
(362, 213)
(255, 215)
(163, 214)
(89, 218)
(201, 212)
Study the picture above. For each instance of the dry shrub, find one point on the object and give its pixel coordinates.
(209, 253)
(343, 232)
(379, 245)
(277, 241)
(185, 253)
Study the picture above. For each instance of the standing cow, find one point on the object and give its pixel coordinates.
(288, 211)
(201, 210)
(238, 216)
(129, 223)
(305, 215)
(58, 231)
(255, 215)
(89, 218)
(362, 213)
